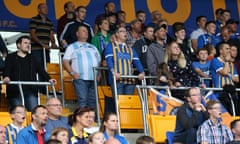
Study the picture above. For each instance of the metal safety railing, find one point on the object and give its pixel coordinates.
(20, 83)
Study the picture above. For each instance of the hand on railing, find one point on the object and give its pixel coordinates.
(117, 75)
(53, 81)
(6, 80)
(141, 76)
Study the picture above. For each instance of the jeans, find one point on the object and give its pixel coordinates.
(30, 100)
(85, 92)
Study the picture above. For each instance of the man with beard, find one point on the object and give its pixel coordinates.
(35, 132)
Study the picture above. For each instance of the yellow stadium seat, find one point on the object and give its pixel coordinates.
(102, 92)
(130, 110)
(69, 92)
(159, 125)
(54, 72)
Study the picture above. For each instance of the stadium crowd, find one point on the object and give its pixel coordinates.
(210, 57)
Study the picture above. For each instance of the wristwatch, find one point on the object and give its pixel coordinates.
(72, 73)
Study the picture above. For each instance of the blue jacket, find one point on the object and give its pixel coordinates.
(121, 139)
(28, 136)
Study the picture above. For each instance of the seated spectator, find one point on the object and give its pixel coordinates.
(223, 71)
(60, 134)
(79, 120)
(54, 107)
(235, 127)
(96, 138)
(92, 125)
(202, 67)
(3, 135)
(109, 127)
(181, 68)
(35, 133)
(212, 131)
(144, 140)
(18, 115)
(189, 117)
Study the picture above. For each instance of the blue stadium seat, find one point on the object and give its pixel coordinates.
(169, 135)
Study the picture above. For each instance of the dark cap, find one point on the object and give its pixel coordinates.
(159, 27)
(232, 21)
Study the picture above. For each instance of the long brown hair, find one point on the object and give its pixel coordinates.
(105, 119)
(162, 70)
(182, 62)
(78, 112)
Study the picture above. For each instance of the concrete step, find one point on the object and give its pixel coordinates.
(132, 137)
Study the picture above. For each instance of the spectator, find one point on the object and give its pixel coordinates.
(22, 66)
(18, 115)
(165, 77)
(179, 31)
(3, 135)
(201, 21)
(156, 51)
(202, 67)
(233, 27)
(61, 134)
(134, 32)
(235, 127)
(67, 17)
(141, 45)
(96, 138)
(109, 7)
(223, 72)
(35, 132)
(82, 56)
(41, 32)
(68, 35)
(209, 37)
(168, 38)
(119, 59)
(109, 127)
(226, 15)
(181, 69)
(156, 16)
(92, 125)
(141, 16)
(189, 117)
(212, 131)
(112, 19)
(219, 23)
(55, 119)
(121, 18)
(79, 120)
(144, 140)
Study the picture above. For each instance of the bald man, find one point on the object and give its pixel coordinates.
(2, 135)
(55, 118)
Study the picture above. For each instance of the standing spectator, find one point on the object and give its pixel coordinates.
(121, 18)
(156, 16)
(156, 51)
(109, 7)
(233, 27)
(219, 23)
(109, 127)
(212, 131)
(79, 60)
(189, 117)
(201, 21)
(112, 19)
(226, 15)
(55, 119)
(41, 32)
(60, 134)
(22, 66)
(141, 45)
(202, 67)
(209, 37)
(68, 35)
(119, 59)
(78, 121)
(235, 127)
(223, 71)
(181, 68)
(18, 115)
(141, 16)
(35, 132)
(3, 135)
(179, 31)
(168, 38)
(64, 19)
(134, 32)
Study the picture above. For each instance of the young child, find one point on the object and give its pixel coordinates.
(96, 138)
(144, 140)
(202, 67)
(18, 115)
